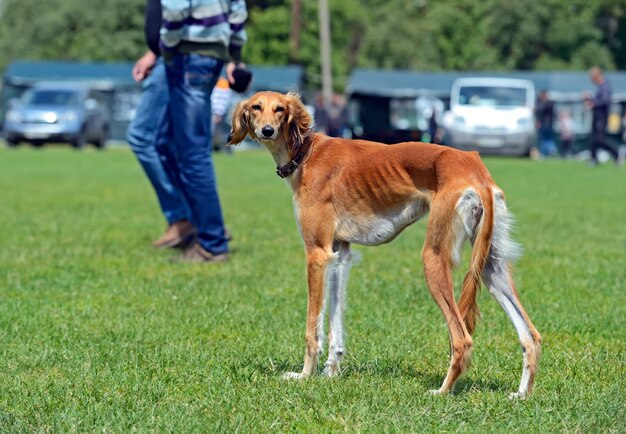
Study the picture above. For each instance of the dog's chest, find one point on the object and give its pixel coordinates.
(378, 228)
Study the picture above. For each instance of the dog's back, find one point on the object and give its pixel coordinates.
(356, 169)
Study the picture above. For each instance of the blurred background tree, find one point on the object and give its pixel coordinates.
(404, 34)
(71, 29)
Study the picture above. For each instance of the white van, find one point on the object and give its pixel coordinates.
(491, 115)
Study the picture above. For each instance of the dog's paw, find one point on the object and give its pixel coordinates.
(293, 376)
(517, 395)
(435, 392)
(331, 370)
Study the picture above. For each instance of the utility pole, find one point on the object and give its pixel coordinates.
(296, 25)
(327, 77)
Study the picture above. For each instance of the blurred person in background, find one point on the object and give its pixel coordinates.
(320, 114)
(433, 127)
(197, 38)
(600, 106)
(624, 129)
(147, 135)
(544, 113)
(337, 116)
(220, 103)
(566, 133)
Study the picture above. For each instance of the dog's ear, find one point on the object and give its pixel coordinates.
(240, 124)
(299, 120)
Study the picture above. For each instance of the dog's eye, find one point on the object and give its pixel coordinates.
(256, 107)
(280, 109)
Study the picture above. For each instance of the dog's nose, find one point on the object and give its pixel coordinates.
(267, 131)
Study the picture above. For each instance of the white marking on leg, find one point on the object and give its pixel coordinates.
(320, 325)
(469, 211)
(436, 392)
(497, 278)
(338, 283)
(337, 308)
(293, 376)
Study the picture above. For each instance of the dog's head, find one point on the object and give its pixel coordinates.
(273, 119)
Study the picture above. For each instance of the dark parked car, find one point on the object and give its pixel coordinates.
(57, 113)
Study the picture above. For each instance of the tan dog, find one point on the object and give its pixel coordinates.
(354, 191)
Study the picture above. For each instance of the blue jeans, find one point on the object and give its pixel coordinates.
(191, 79)
(547, 145)
(146, 136)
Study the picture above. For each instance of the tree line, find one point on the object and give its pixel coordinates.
(426, 35)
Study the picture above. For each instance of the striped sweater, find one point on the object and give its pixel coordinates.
(213, 28)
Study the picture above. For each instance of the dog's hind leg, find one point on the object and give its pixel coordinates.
(437, 256)
(497, 277)
(337, 282)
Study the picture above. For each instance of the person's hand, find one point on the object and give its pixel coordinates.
(230, 68)
(143, 66)
(587, 100)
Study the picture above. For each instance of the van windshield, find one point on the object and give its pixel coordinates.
(492, 96)
(51, 97)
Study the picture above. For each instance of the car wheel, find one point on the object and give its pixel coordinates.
(12, 143)
(101, 141)
(79, 141)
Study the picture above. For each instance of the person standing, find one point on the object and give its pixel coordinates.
(147, 133)
(433, 126)
(544, 113)
(624, 129)
(337, 116)
(321, 115)
(600, 106)
(197, 38)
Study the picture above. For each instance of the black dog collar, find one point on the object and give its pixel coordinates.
(291, 167)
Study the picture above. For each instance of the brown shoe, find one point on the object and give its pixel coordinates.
(196, 254)
(177, 234)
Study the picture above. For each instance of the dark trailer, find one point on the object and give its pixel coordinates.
(394, 106)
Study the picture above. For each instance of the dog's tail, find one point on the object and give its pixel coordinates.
(480, 253)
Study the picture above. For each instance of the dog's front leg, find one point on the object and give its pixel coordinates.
(336, 285)
(317, 260)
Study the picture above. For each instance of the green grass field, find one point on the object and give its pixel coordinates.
(98, 331)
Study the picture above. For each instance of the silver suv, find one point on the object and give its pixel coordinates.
(57, 113)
